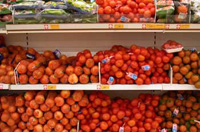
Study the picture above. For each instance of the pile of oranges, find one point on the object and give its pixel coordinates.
(182, 109)
(186, 68)
(69, 111)
(47, 67)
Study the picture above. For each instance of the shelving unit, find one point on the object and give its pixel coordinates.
(156, 87)
(104, 35)
(101, 27)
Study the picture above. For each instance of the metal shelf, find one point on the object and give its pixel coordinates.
(159, 87)
(4, 86)
(171, 87)
(101, 27)
(85, 87)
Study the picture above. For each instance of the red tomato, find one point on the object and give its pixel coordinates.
(130, 15)
(99, 2)
(132, 4)
(117, 15)
(126, 9)
(112, 3)
(106, 17)
(101, 10)
(107, 10)
(112, 20)
(141, 11)
(141, 5)
(152, 10)
(147, 14)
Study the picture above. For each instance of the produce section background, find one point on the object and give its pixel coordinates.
(69, 43)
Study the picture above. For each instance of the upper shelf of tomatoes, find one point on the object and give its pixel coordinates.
(126, 11)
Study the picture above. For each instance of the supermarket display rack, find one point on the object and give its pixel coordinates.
(99, 28)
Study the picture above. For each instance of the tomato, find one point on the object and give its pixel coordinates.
(106, 17)
(152, 10)
(107, 10)
(117, 15)
(141, 11)
(132, 4)
(147, 14)
(101, 10)
(112, 3)
(99, 2)
(126, 9)
(112, 20)
(141, 5)
(131, 15)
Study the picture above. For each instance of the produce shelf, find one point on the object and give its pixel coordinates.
(85, 87)
(168, 87)
(96, 86)
(101, 27)
(4, 86)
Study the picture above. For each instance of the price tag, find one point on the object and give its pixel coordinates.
(103, 87)
(54, 26)
(119, 26)
(163, 130)
(155, 26)
(51, 87)
(1, 86)
(174, 128)
(183, 26)
(121, 129)
(180, 96)
(175, 112)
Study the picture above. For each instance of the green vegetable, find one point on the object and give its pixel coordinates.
(54, 12)
(23, 21)
(163, 12)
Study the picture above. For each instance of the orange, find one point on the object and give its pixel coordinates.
(186, 59)
(178, 76)
(177, 60)
(175, 68)
(181, 54)
(197, 84)
(194, 57)
(183, 128)
(184, 70)
(194, 65)
(195, 78)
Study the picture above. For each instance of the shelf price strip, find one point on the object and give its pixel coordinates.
(116, 26)
(51, 26)
(155, 26)
(182, 26)
(49, 87)
(103, 87)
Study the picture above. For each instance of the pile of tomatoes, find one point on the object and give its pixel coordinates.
(126, 10)
(69, 111)
(136, 65)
